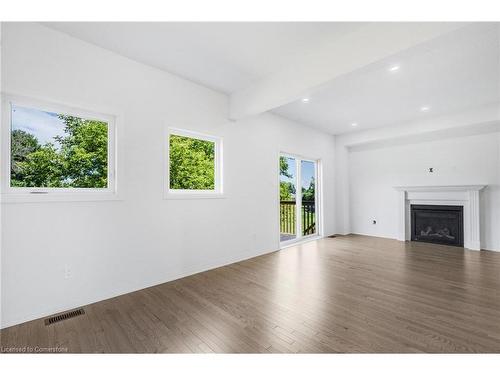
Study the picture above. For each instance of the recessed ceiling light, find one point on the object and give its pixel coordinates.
(424, 108)
(354, 124)
(394, 68)
(305, 100)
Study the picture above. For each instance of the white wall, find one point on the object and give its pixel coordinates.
(114, 247)
(460, 155)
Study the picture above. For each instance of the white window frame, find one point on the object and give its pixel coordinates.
(11, 194)
(218, 191)
(318, 198)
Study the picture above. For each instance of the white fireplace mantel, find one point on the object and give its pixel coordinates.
(454, 195)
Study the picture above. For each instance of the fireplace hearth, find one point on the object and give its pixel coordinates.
(437, 224)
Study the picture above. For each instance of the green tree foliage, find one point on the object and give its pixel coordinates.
(80, 161)
(84, 152)
(287, 191)
(287, 188)
(309, 193)
(42, 168)
(192, 163)
(284, 167)
(22, 144)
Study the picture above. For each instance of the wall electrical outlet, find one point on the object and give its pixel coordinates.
(67, 272)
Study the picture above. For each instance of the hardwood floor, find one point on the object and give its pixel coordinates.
(346, 294)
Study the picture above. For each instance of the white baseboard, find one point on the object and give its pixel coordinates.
(373, 235)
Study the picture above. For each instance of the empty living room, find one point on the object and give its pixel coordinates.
(231, 185)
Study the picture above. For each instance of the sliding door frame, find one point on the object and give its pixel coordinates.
(318, 201)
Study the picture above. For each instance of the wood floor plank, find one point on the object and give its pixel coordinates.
(341, 295)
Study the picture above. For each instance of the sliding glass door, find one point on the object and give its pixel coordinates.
(298, 194)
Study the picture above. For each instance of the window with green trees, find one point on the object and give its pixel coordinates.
(192, 163)
(57, 150)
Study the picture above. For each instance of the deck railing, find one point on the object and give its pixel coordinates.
(288, 217)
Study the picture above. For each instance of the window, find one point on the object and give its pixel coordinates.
(57, 150)
(194, 165)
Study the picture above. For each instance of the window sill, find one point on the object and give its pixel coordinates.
(59, 197)
(194, 196)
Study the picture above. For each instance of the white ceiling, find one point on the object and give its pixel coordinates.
(454, 72)
(225, 56)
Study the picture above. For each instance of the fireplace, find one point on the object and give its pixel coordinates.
(437, 224)
(466, 196)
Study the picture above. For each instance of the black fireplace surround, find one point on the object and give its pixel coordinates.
(437, 224)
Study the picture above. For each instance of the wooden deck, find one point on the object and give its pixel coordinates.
(287, 237)
(346, 294)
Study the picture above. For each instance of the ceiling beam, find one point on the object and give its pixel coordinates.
(353, 51)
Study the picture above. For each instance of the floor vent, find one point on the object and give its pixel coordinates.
(332, 236)
(64, 316)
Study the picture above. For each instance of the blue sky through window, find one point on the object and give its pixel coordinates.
(307, 172)
(290, 170)
(42, 124)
